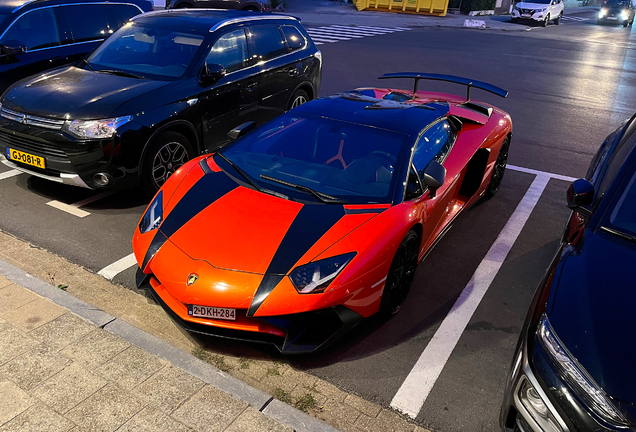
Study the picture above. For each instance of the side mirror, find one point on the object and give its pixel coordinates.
(580, 196)
(211, 73)
(241, 130)
(12, 51)
(434, 176)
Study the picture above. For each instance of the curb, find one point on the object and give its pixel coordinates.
(289, 416)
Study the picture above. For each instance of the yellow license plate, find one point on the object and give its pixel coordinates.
(26, 158)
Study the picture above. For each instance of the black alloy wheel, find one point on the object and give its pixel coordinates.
(167, 153)
(401, 275)
(499, 170)
(298, 98)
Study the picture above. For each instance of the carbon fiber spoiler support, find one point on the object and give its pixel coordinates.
(448, 78)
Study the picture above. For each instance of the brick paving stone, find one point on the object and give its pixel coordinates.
(32, 367)
(68, 388)
(168, 388)
(33, 314)
(95, 348)
(251, 420)
(152, 420)
(38, 418)
(338, 414)
(330, 390)
(13, 342)
(13, 401)
(62, 331)
(13, 296)
(4, 282)
(131, 367)
(369, 408)
(209, 410)
(106, 410)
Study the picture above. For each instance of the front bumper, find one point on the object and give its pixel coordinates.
(290, 334)
(534, 17)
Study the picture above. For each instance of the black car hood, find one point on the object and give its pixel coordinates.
(593, 312)
(74, 93)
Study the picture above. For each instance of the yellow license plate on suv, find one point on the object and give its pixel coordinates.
(26, 158)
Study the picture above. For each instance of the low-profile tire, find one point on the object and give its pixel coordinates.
(557, 20)
(250, 9)
(298, 98)
(401, 274)
(499, 170)
(545, 21)
(166, 154)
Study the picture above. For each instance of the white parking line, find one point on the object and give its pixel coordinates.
(118, 266)
(418, 384)
(10, 173)
(74, 208)
(540, 173)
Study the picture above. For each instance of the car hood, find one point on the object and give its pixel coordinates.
(528, 5)
(217, 218)
(73, 93)
(593, 312)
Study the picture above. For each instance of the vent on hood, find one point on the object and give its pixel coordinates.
(483, 110)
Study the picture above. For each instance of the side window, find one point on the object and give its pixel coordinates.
(413, 185)
(267, 42)
(230, 51)
(88, 22)
(121, 13)
(35, 30)
(435, 143)
(295, 39)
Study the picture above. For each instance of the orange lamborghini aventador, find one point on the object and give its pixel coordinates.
(300, 229)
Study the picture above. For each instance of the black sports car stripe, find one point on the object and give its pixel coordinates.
(207, 190)
(310, 224)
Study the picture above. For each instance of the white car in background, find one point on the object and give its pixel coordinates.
(540, 11)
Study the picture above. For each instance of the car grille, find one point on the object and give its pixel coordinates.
(42, 122)
(39, 147)
(527, 11)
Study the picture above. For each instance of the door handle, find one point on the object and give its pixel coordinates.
(58, 60)
(251, 86)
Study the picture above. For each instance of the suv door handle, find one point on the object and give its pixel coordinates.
(251, 86)
(60, 60)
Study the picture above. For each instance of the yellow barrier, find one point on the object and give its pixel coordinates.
(425, 7)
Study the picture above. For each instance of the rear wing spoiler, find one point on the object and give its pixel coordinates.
(448, 78)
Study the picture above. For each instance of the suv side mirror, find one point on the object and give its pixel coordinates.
(580, 196)
(434, 176)
(12, 51)
(211, 73)
(241, 130)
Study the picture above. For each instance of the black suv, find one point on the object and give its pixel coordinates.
(38, 35)
(246, 5)
(165, 87)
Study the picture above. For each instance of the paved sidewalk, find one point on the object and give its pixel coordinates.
(60, 372)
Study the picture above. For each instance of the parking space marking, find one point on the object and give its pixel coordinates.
(118, 266)
(10, 173)
(74, 208)
(540, 173)
(418, 384)
(573, 18)
(335, 33)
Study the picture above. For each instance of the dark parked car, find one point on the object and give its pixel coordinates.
(616, 12)
(162, 89)
(246, 5)
(41, 34)
(574, 365)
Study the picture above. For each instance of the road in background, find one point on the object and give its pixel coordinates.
(570, 85)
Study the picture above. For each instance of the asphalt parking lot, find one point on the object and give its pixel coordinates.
(570, 85)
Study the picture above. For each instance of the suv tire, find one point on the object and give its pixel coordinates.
(166, 154)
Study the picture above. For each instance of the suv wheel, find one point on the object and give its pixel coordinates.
(298, 98)
(557, 20)
(545, 21)
(166, 154)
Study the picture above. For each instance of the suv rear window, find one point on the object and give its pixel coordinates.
(88, 22)
(267, 42)
(35, 30)
(122, 13)
(295, 39)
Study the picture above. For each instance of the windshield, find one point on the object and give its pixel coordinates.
(617, 3)
(146, 51)
(350, 162)
(539, 1)
(623, 217)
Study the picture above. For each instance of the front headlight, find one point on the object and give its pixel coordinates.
(624, 14)
(541, 10)
(154, 215)
(602, 13)
(578, 378)
(316, 276)
(96, 129)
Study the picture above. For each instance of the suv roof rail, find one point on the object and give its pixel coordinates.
(249, 18)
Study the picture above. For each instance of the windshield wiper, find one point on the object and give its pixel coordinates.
(240, 171)
(120, 73)
(321, 196)
(85, 61)
(619, 234)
